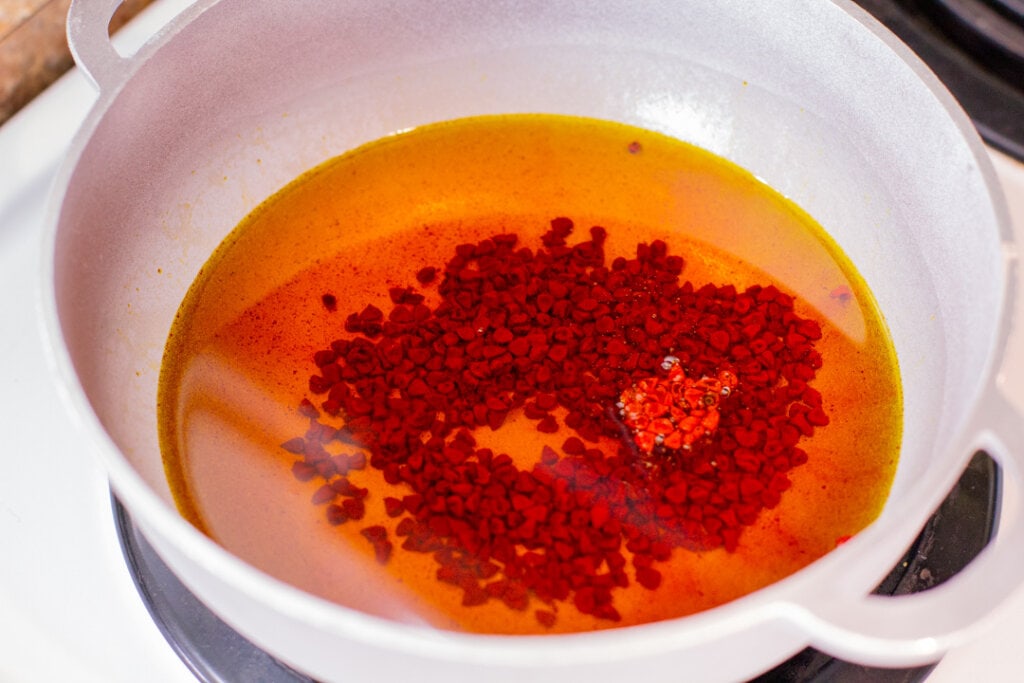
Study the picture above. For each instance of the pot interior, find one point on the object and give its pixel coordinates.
(249, 95)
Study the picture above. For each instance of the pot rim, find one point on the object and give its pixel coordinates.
(787, 600)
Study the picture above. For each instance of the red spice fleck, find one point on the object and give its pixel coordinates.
(382, 547)
(354, 508)
(648, 578)
(303, 471)
(296, 446)
(573, 446)
(817, 417)
(307, 409)
(324, 494)
(713, 393)
(548, 425)
(330, 302)
(426, 275)
(382, 551)
(842, 294)
(393, 506)
(545, 618)
(676, 411)
(336, 515)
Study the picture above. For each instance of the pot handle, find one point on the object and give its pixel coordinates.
(88, 34)
(919, 628)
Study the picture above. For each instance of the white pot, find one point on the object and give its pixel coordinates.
(812, 96)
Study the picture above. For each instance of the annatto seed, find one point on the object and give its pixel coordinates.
(553, 334)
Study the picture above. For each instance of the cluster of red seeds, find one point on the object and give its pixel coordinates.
(557, 335)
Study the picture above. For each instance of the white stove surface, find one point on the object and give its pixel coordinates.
(69, 610)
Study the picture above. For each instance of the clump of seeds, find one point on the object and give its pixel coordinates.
(675, 413)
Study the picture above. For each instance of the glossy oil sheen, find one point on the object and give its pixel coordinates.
(239, 355)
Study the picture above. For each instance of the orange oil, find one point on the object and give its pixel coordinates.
(239, 355)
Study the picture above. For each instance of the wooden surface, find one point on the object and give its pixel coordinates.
(14, 12)
(33, 47)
